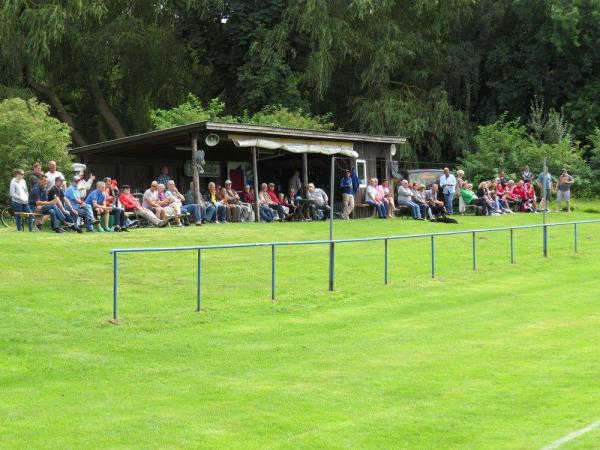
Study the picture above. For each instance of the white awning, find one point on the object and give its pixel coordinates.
(296, 145)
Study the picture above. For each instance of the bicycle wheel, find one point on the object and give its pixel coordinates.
(7, 217)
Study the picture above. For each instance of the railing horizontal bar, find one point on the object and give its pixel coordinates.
(341, 241)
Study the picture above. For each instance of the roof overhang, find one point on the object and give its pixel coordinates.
(311, 139)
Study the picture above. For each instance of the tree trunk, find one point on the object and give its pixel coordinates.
(111, 121)
(60, 109)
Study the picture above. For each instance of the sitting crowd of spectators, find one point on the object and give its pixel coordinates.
(78, 206)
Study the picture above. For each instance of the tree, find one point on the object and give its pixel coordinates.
(28, 134)
(192, 110)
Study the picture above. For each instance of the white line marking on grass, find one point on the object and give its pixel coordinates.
(573, 435)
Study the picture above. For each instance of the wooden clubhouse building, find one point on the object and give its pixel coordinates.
(245, 154)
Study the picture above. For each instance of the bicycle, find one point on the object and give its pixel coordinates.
(7, 217)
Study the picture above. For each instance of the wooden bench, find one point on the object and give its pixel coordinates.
(363, 210)
(477, 210)
(25, 216)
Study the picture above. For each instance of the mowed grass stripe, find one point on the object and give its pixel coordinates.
(504, 357)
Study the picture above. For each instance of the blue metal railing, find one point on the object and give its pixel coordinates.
(332, 243)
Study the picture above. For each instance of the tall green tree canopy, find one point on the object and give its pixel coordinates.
(28, 134)
(432, 71)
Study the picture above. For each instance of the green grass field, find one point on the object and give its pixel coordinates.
(505, 357)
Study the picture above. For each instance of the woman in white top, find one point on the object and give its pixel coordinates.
(19, 198)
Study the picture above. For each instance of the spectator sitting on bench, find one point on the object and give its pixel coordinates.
(39, 203)
(419, 199)
(57, 193)
(73, 194)
(130, 203)
(265, 198)
(265, 213)
(169, 204)
(471, 198)
(388, 198)
(530, 195)
(405, 198)
(213, 198)
(150, 201)
(207, 211)
(371, 199)
(245, 209)
(19, 199)
(177, 203)
(97, 200)
(483, 192)
(502, 194)
(112, 200)
(319, 201)
(436, 206)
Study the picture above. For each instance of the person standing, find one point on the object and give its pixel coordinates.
(35, 176)
(19, 199)
(52, 174)
(294, 182)
(460, 181)
(347, 195)
(164, 177)
(545, 185)
(563, 190)
(448, 185)
(526, 175)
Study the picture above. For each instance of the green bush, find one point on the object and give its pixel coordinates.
(507, 145)
(192, 110)
(28, 134)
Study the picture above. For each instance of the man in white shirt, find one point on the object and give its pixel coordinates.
(448, 185)
(150, 201)
(52, 174)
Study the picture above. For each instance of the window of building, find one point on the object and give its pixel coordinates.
(361, 172)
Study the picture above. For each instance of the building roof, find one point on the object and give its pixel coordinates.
(181, 135)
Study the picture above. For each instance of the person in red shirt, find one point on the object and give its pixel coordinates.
(130, 203)
(519, 191)
(502, 195)
(273, 194)
(530, 195)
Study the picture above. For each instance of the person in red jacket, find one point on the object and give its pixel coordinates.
(130, 203)
(519, 191)
(530, 193)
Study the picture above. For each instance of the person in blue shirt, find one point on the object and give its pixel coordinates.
(347, 186)
(97, 200)
(545, 184)
(73, 194)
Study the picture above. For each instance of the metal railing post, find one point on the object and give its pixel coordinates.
(385, 264)
(331, 265)
(474, 253)
(115, 284)
(575, 236)
(272, 272)
(432, 257)
(545, 241)
(198, 281)
(512, 247)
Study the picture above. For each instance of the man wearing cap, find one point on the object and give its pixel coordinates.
(57, 194)
(246, 213)
(130, 203)
(347, 195)
(52, 174)
(73, 195)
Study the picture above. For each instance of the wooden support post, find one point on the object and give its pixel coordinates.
(255, 174)
(305, 173)
(195, 174)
